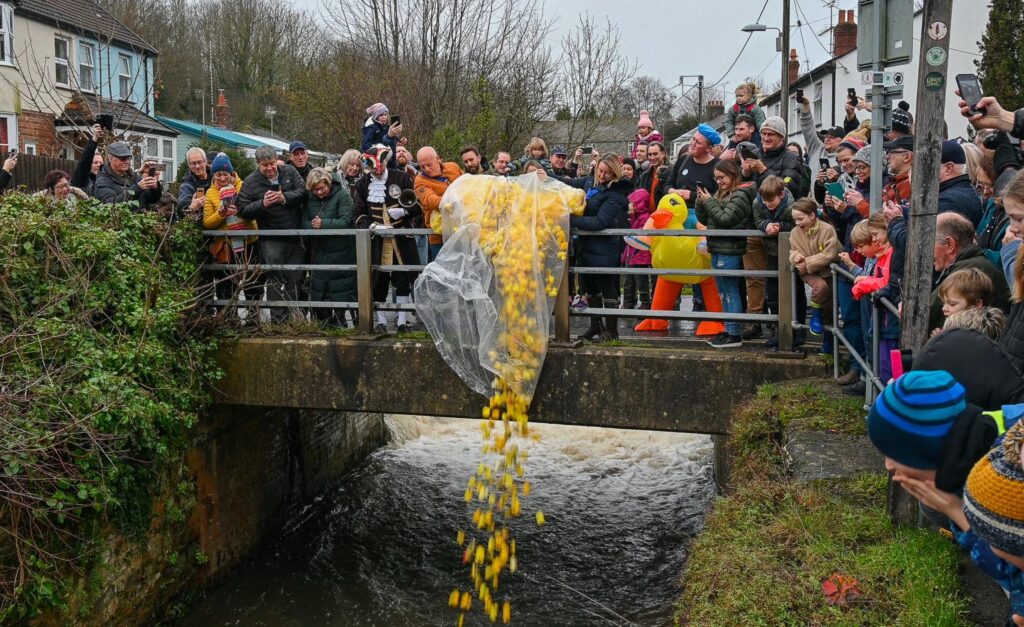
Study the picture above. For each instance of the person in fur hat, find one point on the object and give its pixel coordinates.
(645, 132)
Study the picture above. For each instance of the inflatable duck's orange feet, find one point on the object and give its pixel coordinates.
(665, 295)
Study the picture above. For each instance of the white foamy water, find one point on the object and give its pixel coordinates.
(621, 507)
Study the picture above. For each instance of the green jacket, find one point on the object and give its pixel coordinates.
(732, 213)
(336, 212)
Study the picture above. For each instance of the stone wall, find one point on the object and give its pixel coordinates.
(248, 470)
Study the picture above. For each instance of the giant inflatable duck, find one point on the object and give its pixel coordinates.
(677, 253)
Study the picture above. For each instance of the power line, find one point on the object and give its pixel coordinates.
(738, 54)
(800, 10)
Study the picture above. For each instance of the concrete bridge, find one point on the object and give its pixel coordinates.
(664, 389)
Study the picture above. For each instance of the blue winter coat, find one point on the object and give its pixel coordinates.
(959, 196)
(376, 133)
(607, 208)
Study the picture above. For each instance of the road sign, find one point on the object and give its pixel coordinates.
(898, 27)
(885, 79)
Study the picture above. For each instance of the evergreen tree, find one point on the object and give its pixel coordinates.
(1002, 59)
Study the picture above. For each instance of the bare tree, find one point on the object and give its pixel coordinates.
(593, 69)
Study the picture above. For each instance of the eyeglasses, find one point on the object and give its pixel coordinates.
(862, 167)
(197, 163)
(719, 179)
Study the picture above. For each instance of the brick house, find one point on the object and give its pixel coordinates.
(65, 62)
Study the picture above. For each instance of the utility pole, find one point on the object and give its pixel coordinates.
(784, 90)
(878, 105)
(933, 90)
(700, 98)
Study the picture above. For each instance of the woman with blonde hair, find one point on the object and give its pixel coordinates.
(330, 206)
(350, 167)
(607, 208)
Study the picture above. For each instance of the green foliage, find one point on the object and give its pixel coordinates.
(243, 165)
(769, 543)
(448, 141)
(103, 371)
(1002, 54)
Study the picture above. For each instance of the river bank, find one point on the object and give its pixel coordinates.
(770, 541)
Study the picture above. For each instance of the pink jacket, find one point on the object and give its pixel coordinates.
(879, 276)
(632, 256)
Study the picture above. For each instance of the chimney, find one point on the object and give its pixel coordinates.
(794, 66)
(714, 109)
(222, 111)
(845, 33)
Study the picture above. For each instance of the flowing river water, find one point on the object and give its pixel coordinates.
(379, 549)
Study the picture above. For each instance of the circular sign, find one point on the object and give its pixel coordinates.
(938, 30)
(935, 56)
(934, 81)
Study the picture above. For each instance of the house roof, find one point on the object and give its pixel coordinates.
(83, 15)
(717, 122)
(230, 138)
(83, 109)
(605, 131)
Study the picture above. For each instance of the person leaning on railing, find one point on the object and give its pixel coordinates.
(814, 246)
(330, 207)
(220, 212)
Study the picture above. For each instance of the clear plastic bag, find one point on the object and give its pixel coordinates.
(488, 296)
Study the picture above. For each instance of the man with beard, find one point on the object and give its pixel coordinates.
(472, 161)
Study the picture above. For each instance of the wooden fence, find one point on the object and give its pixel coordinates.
(31, 170)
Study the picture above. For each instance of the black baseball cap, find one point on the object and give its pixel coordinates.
(835, 131)
(905, 142)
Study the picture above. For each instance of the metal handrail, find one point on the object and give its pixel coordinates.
(364, 269)
(875, 384)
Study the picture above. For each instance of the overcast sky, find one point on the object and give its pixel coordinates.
(674, 37)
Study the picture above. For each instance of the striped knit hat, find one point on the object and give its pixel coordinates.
(912, 417)
(994, 495)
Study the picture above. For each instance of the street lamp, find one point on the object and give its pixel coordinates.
(270, 112)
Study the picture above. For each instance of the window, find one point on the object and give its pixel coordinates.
(7, 135)
(816, 103)
(630, 147)
(6, 34)
(30, 149)
(124, 75)
(86, 67)
(161, 150)
(776, 109)
(62, 60)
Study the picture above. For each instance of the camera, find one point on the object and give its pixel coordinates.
(995, 140)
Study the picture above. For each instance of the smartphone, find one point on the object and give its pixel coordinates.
(851, 96)
(588, 150)
(799, 96)
(201, 191)
(151, 171)
(824, 163)
(396, 119)
(275, 187)
(970, 91)
(106, 121)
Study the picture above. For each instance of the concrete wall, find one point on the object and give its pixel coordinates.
(690, 390)
(251, 467)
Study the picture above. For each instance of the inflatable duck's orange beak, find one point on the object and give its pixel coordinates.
(661, 218)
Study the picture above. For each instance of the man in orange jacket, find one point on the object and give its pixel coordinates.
(434, 178)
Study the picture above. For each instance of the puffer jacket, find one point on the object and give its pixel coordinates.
(376, 133)
(607, 208)
(336, 211)
(732, 213)
(111, 189)
(959, 196)
(990, 373)
(783, 214)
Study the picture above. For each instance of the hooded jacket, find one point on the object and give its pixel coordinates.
(376, 133)
(430, 189)
(783, 214)
(987, 371)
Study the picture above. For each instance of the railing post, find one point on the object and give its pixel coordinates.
(786, 295)
(364, 281)
(875, 364)
(562, 306)
(835, 324)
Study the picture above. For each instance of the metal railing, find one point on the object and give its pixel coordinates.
(364, 269)
(873, 384)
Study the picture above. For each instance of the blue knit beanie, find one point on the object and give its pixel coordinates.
(912, 417)
(221, 163)
(709, 134)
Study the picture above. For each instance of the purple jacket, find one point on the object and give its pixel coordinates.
(631, 256)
